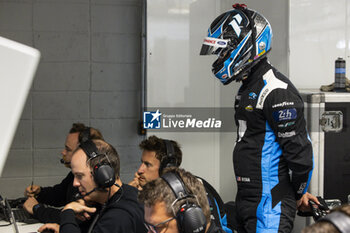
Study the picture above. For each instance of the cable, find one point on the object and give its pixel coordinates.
(96, 218)
(104, 207)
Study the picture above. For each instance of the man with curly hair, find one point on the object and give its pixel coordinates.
(177, 203)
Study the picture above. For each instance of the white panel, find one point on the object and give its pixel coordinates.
(317, 38)
(347, 30)
(176, 74)
(178, 77)
(18, 66)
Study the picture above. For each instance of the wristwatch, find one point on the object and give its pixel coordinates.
(36, 207)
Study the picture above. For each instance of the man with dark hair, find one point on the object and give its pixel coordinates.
(158, 154)
(64, 192)
(154, 156)
(164, 209)
(96, 168)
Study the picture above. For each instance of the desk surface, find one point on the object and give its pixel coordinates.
(22, 227)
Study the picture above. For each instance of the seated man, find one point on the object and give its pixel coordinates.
(157, 154)
(176, 202)
(336, 222)
(155, 158)
(64, 192)
(96, 169)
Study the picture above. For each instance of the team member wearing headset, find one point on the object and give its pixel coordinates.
(154, 158)
(64, 192)
(177, 203)
(114, 205)
(158, 154)
(338, 221)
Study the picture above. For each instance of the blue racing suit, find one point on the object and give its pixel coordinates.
(273, 158)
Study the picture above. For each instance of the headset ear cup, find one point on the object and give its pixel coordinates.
(191, 219)
(104, 175)
(167, 162)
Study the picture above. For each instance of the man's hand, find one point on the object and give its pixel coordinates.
(32, 191)
(80, 209)
(54, 227)
(29, 204)
(303, 203)
(135, 182)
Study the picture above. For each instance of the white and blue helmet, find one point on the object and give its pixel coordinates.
(240, 37)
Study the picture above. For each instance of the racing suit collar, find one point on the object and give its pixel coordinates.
(257, 71)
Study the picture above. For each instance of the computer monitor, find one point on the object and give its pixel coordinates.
(18, 64)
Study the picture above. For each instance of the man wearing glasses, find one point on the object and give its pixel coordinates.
(177, 203)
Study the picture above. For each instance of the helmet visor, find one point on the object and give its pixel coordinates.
(213, 46)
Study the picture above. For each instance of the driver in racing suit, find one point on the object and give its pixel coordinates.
(273, 158)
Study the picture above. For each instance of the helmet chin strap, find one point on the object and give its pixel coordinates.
(245, 76)
(242, 76)
(245, 73)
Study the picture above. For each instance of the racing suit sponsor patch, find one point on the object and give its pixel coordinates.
(263, 96)
(243, 179)
(285, 114)
(252, 96)
(249, 108)
(285, 103)
(287, 124)
(301, 188)
(286, 134)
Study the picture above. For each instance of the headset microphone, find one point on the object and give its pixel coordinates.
(79, 196)
(64, 162)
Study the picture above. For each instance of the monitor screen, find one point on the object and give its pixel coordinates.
(18, 64)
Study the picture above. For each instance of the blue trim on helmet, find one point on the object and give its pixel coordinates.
(266, 37)
(217, 32)
(268, 217)
(228, 64)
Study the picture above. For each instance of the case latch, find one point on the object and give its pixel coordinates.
(332, 121)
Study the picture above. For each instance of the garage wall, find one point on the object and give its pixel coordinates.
(89, 72)
(319, 34)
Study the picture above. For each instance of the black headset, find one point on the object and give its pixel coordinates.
(84, 135)
(169, 160)
(190, 217)
(340, 220)
(103, 173)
